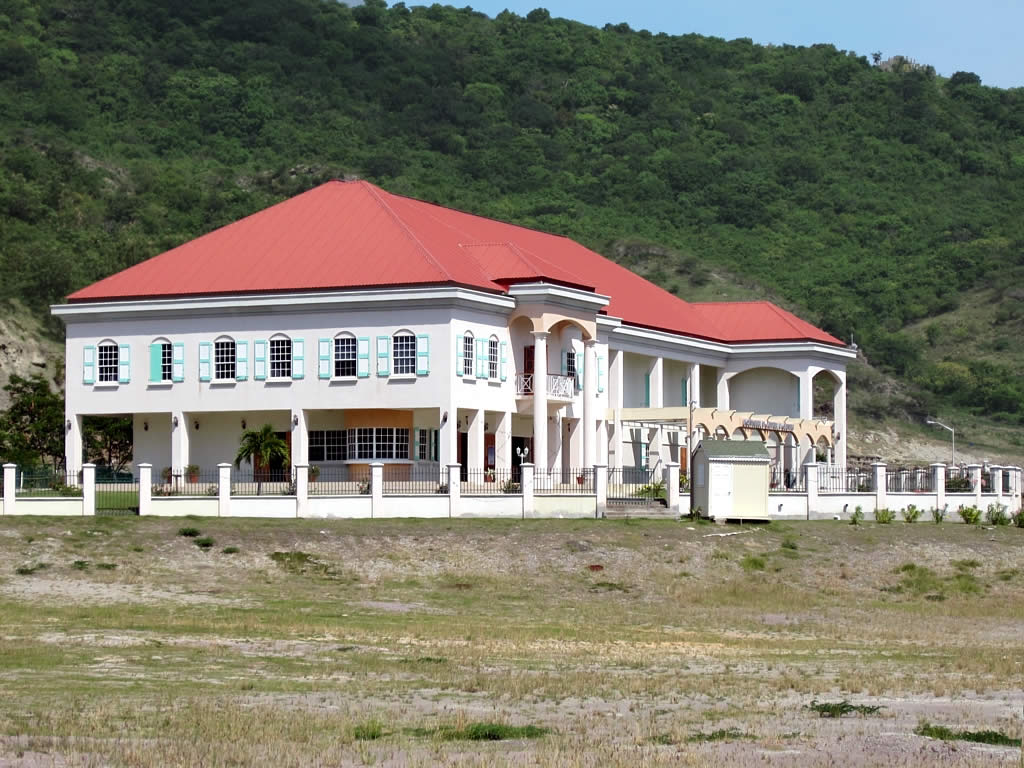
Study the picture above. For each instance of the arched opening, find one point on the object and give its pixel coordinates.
(825, 384)
(765, 390)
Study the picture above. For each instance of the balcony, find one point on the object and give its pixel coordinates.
(559, 387)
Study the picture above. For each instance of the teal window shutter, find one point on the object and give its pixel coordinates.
(600, 373)
(89, 365)
(323, 349)
(647, 390)
(124, 364)
(579, 369)
(363, 357)
(241, 360)
(565, 362)
(415, 444)
(683, 383)
(259, 371)
(422, 354)
(178, 362)
(298, 358)
(205, 363)
(481, 358)
(459, 341)
(383, 355)
(156, 363)
(504, 360)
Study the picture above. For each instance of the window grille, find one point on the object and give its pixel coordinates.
(467, 355)
(224, 360)
(345, 356)
(166, 361)
(492, 359)
(107, 360)
(405, 353)
(280, 358)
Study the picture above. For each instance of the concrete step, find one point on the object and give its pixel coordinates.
(657, 512)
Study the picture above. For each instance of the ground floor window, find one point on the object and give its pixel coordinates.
(370, 443)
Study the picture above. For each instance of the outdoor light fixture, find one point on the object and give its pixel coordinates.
(243, 423)
(444, 418)
(145, 426)
(952, 432)
(196, 424)
(523, 452)
(68, 425)
(295, 420)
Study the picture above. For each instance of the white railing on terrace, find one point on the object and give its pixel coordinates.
(558, 386)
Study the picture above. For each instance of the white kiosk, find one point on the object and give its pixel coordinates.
(730, 479)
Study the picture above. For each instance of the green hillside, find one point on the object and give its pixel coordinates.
(873, 203)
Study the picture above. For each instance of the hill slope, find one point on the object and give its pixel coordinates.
(868, 200)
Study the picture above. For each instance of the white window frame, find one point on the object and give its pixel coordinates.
(107, 344)
(404, 365)
(468, 353)
(336, 359)
(217, 362)
(284, 364)
(492, 358)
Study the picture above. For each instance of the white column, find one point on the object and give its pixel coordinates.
(179, 441)
(694, 393)
(454, 489)
(602, 442)
(299, 427)
(672, 487)
(601, 489)
(9, 477)
(806, 394)
(540, 399)
(503, 441)
(475, 443)
(722, 389)
(657, 379)
(616, 360)
(302, 490)
(376, 488)
(878, 467)
(145, 489)
(448, 439)
(88, 489)
(939, 483)
(223, 489)
(996, 473)
(839, 417)
(527, 488)
(73, 457)
(811, 474)
(589, 404)
(975, 473)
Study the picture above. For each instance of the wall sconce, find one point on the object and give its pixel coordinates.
(243, 423)
(174, 422)
(444, 418)
(486, 426)
(68, 425)
(145, 426)
(295, 420)
(196, 424)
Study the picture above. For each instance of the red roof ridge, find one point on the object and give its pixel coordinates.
(376, 192)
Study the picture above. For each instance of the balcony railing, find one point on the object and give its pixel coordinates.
(558, 386)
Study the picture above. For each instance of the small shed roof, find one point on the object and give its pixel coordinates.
(744, 450)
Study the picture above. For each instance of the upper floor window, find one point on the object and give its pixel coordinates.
(280, 358)
(224, 356)
(108, 362)
(467, 354)
(570, 363)
(492, 358)
(404, 351)
(345, 356)
(161, 361)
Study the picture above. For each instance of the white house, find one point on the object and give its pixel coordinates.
(366, 326)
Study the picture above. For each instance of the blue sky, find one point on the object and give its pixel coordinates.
(980, 36)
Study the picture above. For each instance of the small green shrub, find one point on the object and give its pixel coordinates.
(912, 513)
(80, 565)
(28, 570)
(789, 543)
(203, 542)
(840, 708)
(371, 730)
(857, 517)
(958, 485)
(482, 732)
(230, 550)
(752, 563)
(107, 566)
(966, 565)
(979, 737)
(938, 515)
(996, 514)
(1018, 519)
(190, 533)
(970, 515)
(723, 734)
(884, 516)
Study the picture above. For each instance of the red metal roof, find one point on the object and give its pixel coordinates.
(355, 235)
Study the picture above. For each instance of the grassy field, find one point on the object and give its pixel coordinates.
(156, 642)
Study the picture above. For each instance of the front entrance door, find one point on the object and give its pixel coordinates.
(462, 453)
(489, 457)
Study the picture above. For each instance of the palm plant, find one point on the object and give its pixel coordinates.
(260, 447)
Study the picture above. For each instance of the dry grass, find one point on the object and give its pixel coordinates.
(373, 642)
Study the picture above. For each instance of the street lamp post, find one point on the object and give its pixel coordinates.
(952, 432)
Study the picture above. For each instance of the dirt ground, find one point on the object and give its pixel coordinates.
(386, 643)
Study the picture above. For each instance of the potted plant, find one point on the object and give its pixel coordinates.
(166, 474)
(192, 473)
(489, 476)
(314, 473)
(579, 479)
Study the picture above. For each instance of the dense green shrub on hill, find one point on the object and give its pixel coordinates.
(868, 199)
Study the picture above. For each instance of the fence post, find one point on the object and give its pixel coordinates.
(671, 480)
(145, 489)
(376, 488)
(601, 489)
(939, 483)
(89, 489)
(527, 474)
(996, 478)
(223, 489)
(454, 489)
(302, 490)
(878, 467)
(811, 484)
(975, 472)
(10, 471)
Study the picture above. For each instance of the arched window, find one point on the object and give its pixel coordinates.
(224, 358)
(107, 361)
(280, 357)
(492, 357)
(344, 355)
(467, 353)
(404, 353)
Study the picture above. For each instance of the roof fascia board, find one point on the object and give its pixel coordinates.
(558, 295)
(795, 347)
(289, 302)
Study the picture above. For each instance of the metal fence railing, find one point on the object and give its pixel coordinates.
(782, 480)
(47, 482)
(635, 486)
(271, 482)
(341, 480)
(405, 480)
(489, 482)
(684, 482)
(117, 493)
(909, 481)
(958, 480)
(187, 482)
(840, 480)
(564, 482)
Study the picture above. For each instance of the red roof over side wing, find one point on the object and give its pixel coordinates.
(754, 321)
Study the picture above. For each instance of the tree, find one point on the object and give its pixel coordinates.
(259, 448)
(108, 441)
(32, 428)
(964, 78)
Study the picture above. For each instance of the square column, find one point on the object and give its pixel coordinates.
(939, 483)
(503, 441)
(299, 426)
(656, 374)
(839, 419)
(806, 395)
(448, 435)
(10, 473)
(722, 389)
(179, 441)
(975, 474)
(589, 403)
(694, 393)
(475, 443)
(540, 399)
(145, 488)
(616, 359)
(73, 454)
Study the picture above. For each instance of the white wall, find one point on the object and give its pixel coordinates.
(765, 390)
